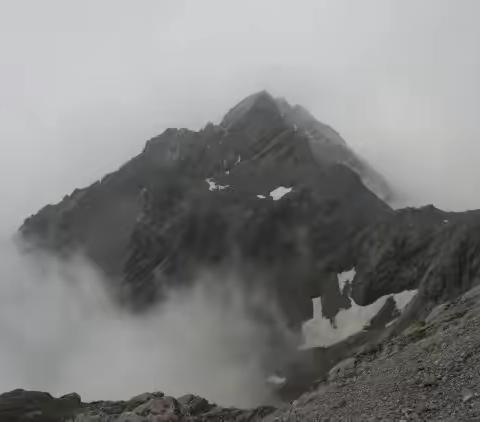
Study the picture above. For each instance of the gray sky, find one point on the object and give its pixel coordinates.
(84, 84)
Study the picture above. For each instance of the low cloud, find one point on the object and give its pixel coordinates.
(60, 333)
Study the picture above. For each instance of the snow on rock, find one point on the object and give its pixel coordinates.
(261, 196)
(311, 136)
(279, 192)
(403, 299)
(212, 186)
(393, 321)
(344, 277)
(320, 331)
(276, 380)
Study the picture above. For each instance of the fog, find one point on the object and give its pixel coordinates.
(84, 84)
(60, 332)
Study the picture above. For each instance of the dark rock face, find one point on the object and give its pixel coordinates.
(426, 249)
(213, 199)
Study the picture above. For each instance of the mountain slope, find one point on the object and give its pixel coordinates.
(390, 276)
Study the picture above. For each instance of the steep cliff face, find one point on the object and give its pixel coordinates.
(269, 191)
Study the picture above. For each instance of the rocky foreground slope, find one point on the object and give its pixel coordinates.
(429, 372)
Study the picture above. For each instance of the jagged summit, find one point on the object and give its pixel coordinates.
(259, 102)
(264, 105)
(261, 115)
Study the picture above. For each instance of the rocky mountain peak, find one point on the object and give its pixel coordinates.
(228, 177)
(259, 102)
(257, 116)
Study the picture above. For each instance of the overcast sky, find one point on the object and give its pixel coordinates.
(84, 84)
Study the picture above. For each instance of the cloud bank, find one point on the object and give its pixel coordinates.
(60, 333)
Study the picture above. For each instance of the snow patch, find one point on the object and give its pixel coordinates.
(276, 380)
(344, 277)
(279, 192)
(311, 136)
(403, 299)
(261, 196)
(320, 331)
(393, 321)
(212, 186)
(445, 221)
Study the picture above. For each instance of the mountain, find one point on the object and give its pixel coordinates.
(279, 199)
(270, 191)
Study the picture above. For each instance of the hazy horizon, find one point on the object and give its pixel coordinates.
(85, 85)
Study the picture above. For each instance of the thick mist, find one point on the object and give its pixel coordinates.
(84, 85)
(60, 332)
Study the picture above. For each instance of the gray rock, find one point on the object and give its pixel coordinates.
(130, 417)
(342, 369)
(142, 398)
(436, 312)
(429, 380)
(467, 395)
(166, 407)
(194, 405)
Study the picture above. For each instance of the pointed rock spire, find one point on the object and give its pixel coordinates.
(254, 113)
